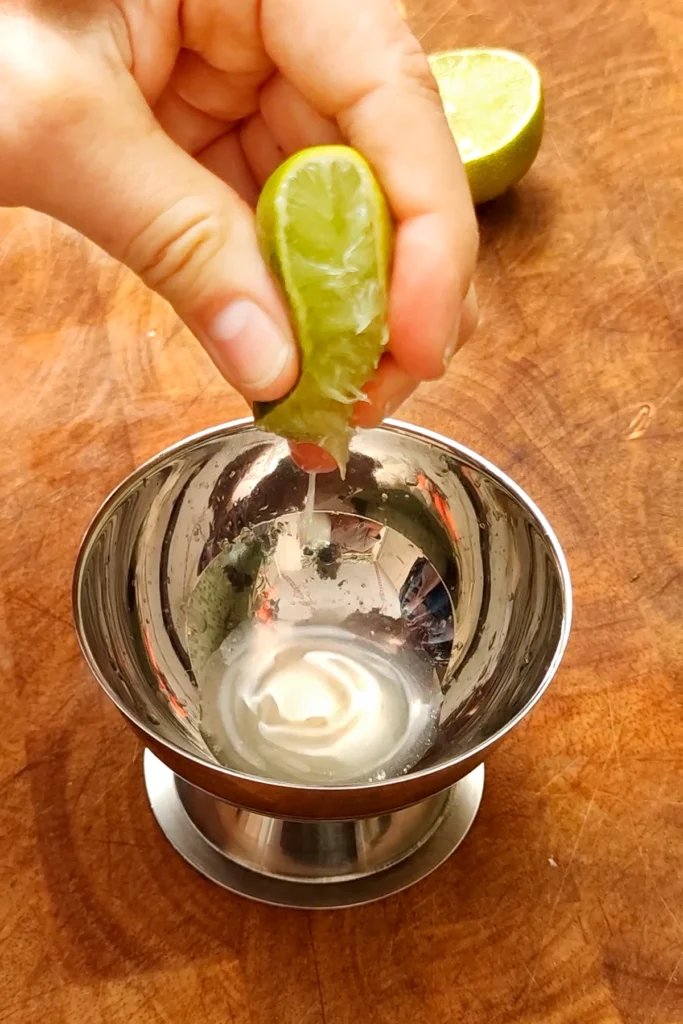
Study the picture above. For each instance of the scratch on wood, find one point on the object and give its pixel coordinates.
(555, 146)
(553, 910)
(675, 920)
(665, 989)
(317, 972)
(559, 774)
(444, 14)
(640, 422)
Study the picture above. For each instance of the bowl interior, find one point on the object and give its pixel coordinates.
(500, 575)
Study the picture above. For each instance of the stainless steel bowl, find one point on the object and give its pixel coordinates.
(504, 610)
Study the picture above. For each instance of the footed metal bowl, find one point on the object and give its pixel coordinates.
(443, 546)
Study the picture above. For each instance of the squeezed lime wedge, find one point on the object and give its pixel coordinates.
(325, 231)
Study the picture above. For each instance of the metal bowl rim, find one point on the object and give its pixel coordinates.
(121, 491)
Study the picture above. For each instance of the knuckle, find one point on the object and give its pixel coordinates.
(415, 70)
(170, 253)
(47, 109)
(41, 76)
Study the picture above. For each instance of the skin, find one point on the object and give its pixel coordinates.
(151, 126)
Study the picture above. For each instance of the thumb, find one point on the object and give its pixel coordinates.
(112, 173)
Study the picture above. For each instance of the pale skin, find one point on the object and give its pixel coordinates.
(151, 125)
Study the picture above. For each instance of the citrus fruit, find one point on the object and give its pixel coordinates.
(325, 231)
(494, 104)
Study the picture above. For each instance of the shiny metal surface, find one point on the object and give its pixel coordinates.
(501, 567)
(364, 575)
(171, 814)
(311, 851)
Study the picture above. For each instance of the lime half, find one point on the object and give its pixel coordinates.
(325, 231)
(494, 104)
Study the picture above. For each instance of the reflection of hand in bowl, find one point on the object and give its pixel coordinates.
(427, 607)
(354, 534)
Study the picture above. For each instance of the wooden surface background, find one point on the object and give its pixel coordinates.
(565, 904)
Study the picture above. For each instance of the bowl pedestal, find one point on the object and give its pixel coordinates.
(310, 864)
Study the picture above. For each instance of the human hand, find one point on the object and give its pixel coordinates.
(151, 127)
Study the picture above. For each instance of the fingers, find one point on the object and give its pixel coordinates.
(117, 177)
(189, 127)
(260, 148)
(392, 385)
(285, 124)
(425, 299)
(293, 122)
(385, 393)
(226, 158)
(375, 81)
(469, 317)
(311, 458)
(388, 389)
(224, 95)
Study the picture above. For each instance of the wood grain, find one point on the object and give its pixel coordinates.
(565, 904)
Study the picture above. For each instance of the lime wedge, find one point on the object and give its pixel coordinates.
(325, 231)
(494, 104)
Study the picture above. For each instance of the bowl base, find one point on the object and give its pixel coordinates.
(445, 821)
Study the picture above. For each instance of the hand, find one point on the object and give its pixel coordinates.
(150, 127)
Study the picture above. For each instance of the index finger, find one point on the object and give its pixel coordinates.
(358, 62)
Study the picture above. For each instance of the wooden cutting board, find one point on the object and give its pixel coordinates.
(565, 904)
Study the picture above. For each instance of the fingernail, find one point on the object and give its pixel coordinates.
(311, 458)
(250, 350)
(469, 316)
(465, 327)
(451, 346)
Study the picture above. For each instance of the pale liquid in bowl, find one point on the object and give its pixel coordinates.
(316, 702)
(316, 705)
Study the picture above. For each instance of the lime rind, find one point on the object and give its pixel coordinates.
(325, 230)
(493, 100)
